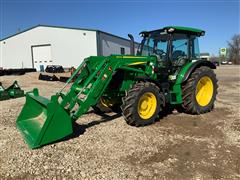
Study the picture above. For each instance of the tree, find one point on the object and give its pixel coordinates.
(234, 49)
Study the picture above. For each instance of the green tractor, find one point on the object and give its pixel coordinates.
(166, 72)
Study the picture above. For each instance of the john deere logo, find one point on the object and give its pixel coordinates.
(223, 52)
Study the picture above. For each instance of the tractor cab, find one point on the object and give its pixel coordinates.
(173, 45)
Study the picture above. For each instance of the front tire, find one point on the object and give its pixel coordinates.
(103, 106)
(199, 92)
(142, 104)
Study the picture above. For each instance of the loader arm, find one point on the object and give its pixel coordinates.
(94, 76)
(44, 121)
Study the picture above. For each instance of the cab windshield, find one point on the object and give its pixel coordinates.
(155, 44)
(159, 44)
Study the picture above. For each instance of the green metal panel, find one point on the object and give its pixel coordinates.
(176, 92)
(177, 88)
(182, 73)
(13, 91)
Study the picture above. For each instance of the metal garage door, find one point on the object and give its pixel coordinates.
(42, 56)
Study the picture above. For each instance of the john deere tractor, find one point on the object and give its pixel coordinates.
(165, 72)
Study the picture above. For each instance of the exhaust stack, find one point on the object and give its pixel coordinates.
(132, 46)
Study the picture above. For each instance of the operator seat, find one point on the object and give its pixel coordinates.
(176, 54)
(178, 58)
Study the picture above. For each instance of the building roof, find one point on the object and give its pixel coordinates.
(50, 26)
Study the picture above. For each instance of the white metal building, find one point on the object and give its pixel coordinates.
(52, 45)
(205, 56)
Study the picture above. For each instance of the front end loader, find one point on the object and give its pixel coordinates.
(165, 72)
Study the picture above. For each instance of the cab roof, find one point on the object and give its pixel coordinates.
(180, 29)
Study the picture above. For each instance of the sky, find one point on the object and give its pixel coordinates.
(219, 18)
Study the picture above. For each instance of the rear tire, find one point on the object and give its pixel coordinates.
(142, 104)
(199, 92)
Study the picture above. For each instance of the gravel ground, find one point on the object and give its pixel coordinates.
(179, 146)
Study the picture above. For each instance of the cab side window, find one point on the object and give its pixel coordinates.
(179, 47)
(195, 48)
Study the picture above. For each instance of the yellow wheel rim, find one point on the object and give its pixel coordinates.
(204, 91)
(106, 102)
(147, 105)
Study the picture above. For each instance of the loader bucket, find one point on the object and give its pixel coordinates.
(43, 121)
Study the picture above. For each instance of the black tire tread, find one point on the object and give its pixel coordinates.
(188, 92)
(129, 100)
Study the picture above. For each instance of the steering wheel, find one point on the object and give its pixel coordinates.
(160, 53)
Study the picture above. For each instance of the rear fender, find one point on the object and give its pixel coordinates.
(183, 76)
(188, 69)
